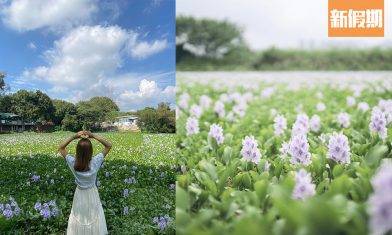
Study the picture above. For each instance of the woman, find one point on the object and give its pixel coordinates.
(87, 215)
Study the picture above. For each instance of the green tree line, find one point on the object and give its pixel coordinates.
(38, 107)
(206, 44)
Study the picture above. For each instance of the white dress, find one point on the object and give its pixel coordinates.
(87, 216)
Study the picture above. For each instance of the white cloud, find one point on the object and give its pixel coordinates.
(32, 46)
(85, 63)
(282, 23)
(144, 49)
(156, 3)
(149, 94)
(25, 15)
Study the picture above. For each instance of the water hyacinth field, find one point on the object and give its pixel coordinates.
(136, 183)
(287, 157)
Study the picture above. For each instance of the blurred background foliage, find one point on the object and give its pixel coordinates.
(207, 44)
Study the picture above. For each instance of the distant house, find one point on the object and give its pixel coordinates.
(127, 123)
(127, 120)
(123, 123)
(10, 122)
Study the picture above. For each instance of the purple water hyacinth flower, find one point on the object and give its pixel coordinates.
(130, 180)
(386, 108)
(37, 206)
(285, 148)
(267, 92)
(343, 120)
(162, 221)
(55, 212)
(196, 111)
(192, 126)
(378, 123)
(301, 125)
(250, 151)
(7, 213)
(47, 209)
(172, 186)
(320, 107)
(350, 101)
(280, 125)
(315, 123)
(10, 209)
(236, 97)
(380, 202)
(126, 210)
(205, 102)
(299, 150)
(13, 202)
(240, 109)
(248, 96)
(107, 174)
(357, 90)
(219, 108)
(35, 178)
(363, 106)
(338, 148)
(126, 192)
(16, 210)
(45, 213)
(304, 188)
(183, 100)
(216, 132)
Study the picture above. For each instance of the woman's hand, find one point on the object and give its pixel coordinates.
(62, 148)
(89, 134)
(79, 135)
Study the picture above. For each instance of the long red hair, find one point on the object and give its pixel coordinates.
(84, 153)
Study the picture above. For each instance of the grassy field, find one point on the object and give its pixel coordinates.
(281, 164)
(136, 183)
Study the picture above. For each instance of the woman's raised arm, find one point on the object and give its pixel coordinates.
(101, 140)
(62, 148)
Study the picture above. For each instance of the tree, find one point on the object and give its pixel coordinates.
(157, 120)
(45, 106)
(2, 82)
(71, 123)
(5, 104)
(3, 85)
(166, 118)
(34, 106)
(104, 104)
(148, 119)
(95, 111)
(207, 38)
(62, 108)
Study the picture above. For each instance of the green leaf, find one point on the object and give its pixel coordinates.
(182, 199)
(261, 188)
(337, 170)
(375, 154)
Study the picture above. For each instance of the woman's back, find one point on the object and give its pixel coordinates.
(86, 179)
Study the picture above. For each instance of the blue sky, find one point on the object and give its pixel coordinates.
(78, 49)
